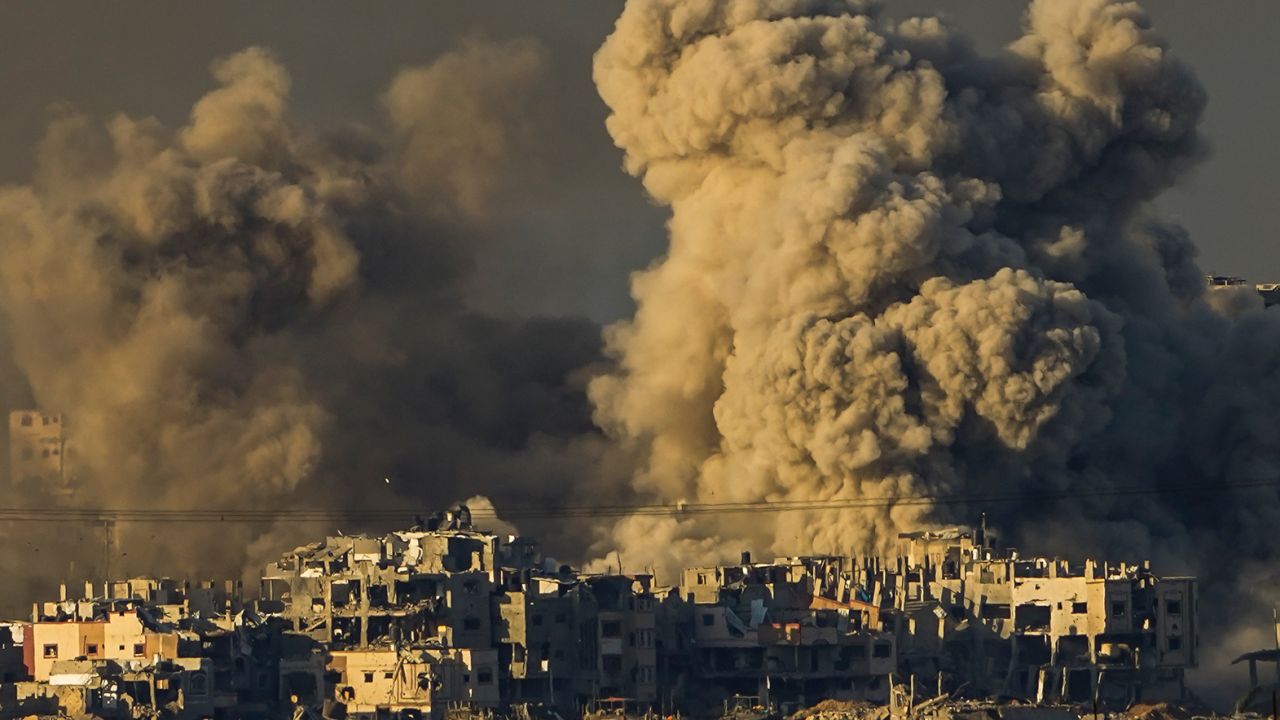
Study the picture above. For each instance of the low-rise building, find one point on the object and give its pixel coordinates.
(409, 682)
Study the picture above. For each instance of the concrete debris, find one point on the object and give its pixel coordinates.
(842, 710)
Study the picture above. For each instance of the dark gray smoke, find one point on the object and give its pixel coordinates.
(236, 313)
(898, 268)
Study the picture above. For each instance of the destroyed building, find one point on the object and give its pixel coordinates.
(445, 618)
(796, 630)
(445, 614)
(567, 638)
(1037, 628)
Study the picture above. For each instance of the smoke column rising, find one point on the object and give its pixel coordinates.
(237, 313)
(898, 268)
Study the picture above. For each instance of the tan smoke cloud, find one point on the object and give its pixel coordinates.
(900, 270)
(853, 331)
(244, 119)
(453, 120)
(238, 314)
(896, 269)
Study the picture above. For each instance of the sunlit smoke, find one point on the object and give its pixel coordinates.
(899, 269)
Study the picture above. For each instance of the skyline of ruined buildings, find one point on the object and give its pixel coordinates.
(444, 615)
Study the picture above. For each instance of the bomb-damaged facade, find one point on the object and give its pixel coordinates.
(1038, 628)
(444, 618)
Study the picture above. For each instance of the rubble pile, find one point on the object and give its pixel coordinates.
(842, 710)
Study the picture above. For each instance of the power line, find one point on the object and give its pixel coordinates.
(259, 515)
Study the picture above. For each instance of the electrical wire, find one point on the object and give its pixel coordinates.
(679, 510)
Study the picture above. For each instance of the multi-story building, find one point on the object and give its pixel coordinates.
(618, 639)
(40, 456)
(416, 586)
(1039, 628)
(790, 632)
(447, 598)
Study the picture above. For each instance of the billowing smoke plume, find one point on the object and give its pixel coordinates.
(901, 269)
(238, 314)
(897, 269)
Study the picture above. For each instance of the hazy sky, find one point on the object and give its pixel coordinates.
(572, 225)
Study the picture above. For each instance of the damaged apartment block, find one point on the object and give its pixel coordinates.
(1036, 628)
(793, 631)
(445, 619)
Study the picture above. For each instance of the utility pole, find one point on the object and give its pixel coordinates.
(1275, 623)
(108, 530)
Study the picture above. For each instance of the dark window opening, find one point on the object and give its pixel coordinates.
(1034, 617)
(995, 612)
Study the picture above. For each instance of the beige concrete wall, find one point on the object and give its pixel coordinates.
(53, 642)
(368, 679)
